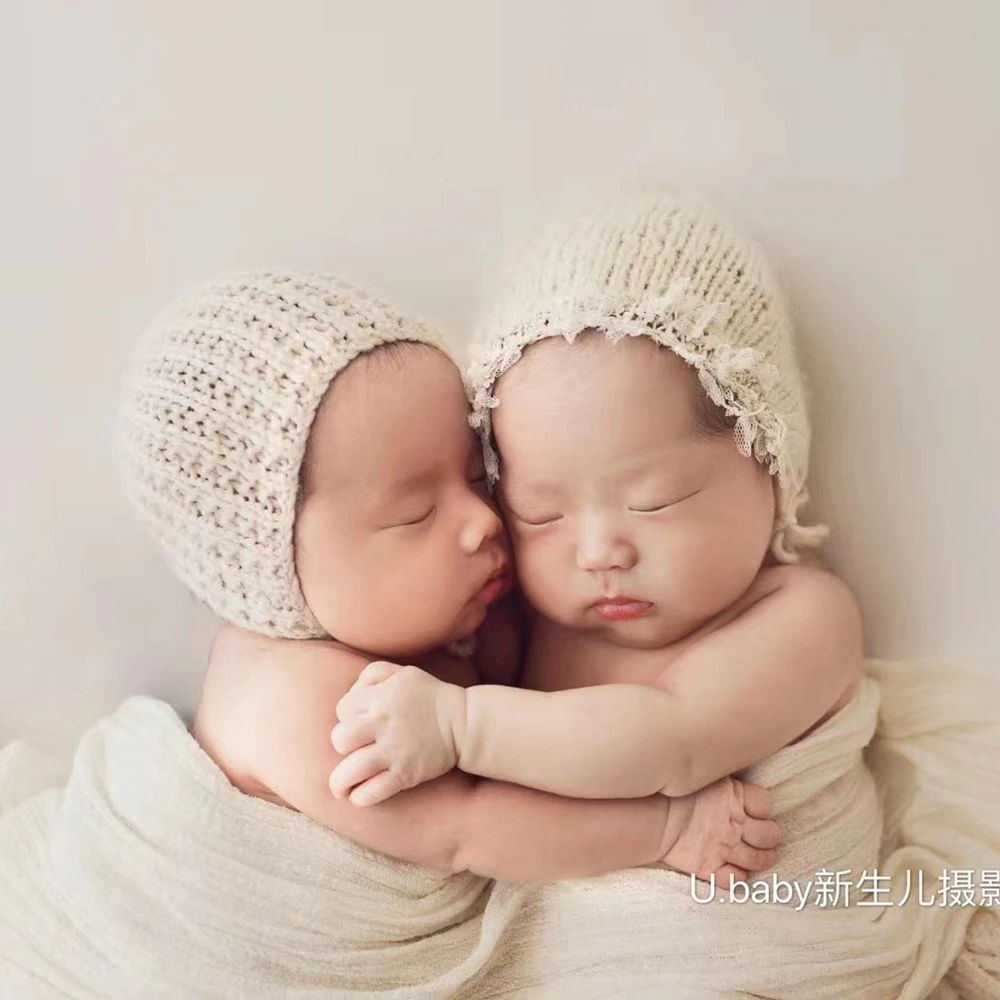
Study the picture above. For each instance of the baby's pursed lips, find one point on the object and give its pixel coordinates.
(501, 571)
(621, 608)
(502, 567)
(497, 584)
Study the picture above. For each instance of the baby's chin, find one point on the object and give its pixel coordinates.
(406, 645)
(468, 628)
(632, 635)
(410, 638)
(466, 625)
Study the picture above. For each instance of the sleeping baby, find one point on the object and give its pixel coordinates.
(644, 419)
(303, 455)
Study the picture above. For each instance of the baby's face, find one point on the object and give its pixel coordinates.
(626, 520)
(397, 548)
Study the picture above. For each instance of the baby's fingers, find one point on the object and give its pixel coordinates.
(358, 699)
(376, 672)
(355, 768)
(356, 702)
(728, 874)
(757, 801)
(354, 734)
(383, 786)
(761, 833)
(753, 859)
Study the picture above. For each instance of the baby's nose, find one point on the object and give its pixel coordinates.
(600, 550)
(483, 525)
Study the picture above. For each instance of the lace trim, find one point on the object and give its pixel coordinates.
(735, 379)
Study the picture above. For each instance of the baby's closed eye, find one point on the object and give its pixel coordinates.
(530, 509)
(537, 517)
(653, 506)
(419, 514)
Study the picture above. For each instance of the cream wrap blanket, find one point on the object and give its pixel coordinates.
(145, 874)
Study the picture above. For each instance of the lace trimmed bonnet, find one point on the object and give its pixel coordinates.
(643, 262)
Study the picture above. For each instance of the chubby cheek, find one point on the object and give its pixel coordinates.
(711, 565)
(369, 601)
(411, 606)
(691, 562)
(340, 594)
(545, 574)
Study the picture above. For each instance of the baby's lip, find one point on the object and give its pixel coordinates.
(501, 565)
(502, 572)
(496, 585)
(501, 568)
(621, 608)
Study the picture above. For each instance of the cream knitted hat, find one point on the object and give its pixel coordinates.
(214, 419)
(642, 262)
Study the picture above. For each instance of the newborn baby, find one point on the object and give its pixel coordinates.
(644, 414)
(303, 454)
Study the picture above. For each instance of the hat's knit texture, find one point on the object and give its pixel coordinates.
(214, 420)
(642, 262)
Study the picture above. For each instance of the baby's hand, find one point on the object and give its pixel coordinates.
(397, 729)
(726, 832)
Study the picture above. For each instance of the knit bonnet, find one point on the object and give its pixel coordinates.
(640, 261)
(214, 418)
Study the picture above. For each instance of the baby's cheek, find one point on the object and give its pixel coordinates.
(542, 572)
(701, 568)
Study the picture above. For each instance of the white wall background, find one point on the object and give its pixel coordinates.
(149, 145)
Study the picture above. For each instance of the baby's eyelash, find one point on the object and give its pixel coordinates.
(420, 520)
(538, 524)
(663, 506)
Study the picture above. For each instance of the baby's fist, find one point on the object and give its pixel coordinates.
(397, 729)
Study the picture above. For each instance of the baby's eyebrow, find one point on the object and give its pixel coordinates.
(411, 483)
(540, 491)
(519, 480)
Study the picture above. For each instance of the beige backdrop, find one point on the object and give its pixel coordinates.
(147, 145)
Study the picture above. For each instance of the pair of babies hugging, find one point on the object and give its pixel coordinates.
(543, 652)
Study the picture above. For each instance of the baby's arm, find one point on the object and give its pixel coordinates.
(732, 699)
(457, 823)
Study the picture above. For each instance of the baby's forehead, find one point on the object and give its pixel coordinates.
(628, 406)
(594, 372)
(394, 379)
(385, 410)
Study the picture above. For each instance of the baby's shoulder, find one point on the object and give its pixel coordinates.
(782, 600)
(258, 690)
(811, 584)
(811, 605)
